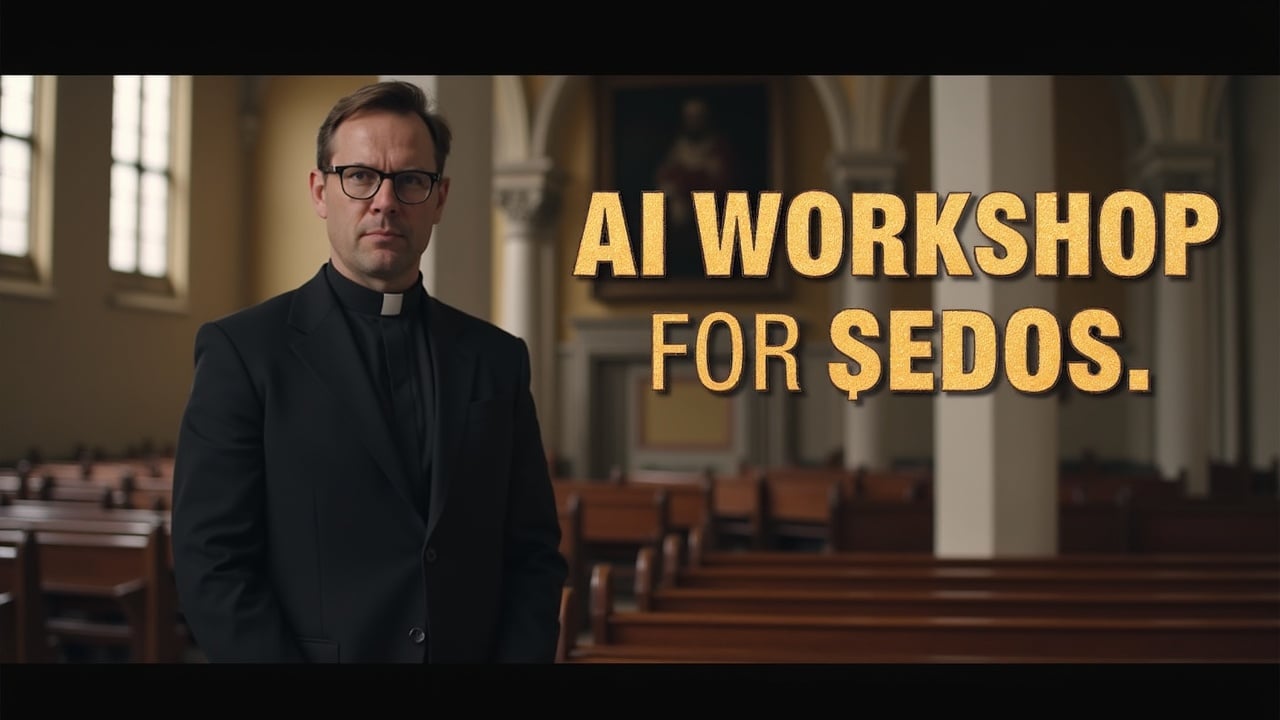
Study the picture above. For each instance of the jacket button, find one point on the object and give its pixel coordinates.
(430, 555)
(417, 636)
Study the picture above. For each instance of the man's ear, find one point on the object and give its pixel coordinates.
(316, 181)
(441, 194)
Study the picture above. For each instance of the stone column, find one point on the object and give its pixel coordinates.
(996, 451)
(526, 192)
(865, 419)
(1179, 382)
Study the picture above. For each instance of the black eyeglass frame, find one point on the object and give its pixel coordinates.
(382, 176)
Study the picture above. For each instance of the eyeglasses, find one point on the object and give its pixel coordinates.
(361, 183)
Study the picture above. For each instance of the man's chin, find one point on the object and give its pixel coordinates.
(392, 268)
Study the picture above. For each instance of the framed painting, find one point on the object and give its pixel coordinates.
(680, 135)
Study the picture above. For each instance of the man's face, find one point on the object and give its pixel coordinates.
(378, 242)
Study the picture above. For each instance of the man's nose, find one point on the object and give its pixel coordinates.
(385, 199)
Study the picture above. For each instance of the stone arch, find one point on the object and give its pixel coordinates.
(836, 109)
(518, 138)
(1149, 103)
(896, 109)
(1199, 110)
(1215, 102)
(554, 99)
(511, 120)
(561, 89)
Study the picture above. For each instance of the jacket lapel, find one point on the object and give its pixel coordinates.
(454, 364)
(326, 346)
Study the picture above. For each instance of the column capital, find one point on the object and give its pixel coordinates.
(1161, 167)
(528, 191)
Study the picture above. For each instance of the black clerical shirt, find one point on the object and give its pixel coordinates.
(365, 309)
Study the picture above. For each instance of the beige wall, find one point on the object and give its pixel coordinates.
(78, 369)
(289, 238)
(87, 371)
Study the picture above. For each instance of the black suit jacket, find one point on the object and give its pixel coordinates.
(294, 536)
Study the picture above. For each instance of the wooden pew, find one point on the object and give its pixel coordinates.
(1137, 526)
(616, 520)
(877, 526)
(87, 517)
(1206, 526)
(567, 639)
(105, 473)
(10, 624)
(652, 595)
(140, 491)
(51, 489)
(959, 603)
(142, 497)
(688, 494)
(893, 485)
(738, 505)
(1095, 527)
(23, 634)
(1243, 482)
(802, 506)
(693, 551)
(991, 578)
(44, 510)
(134, 483)
(1090, 479)
(571, 548)
(102, 563)
(12, 486)
(637, 636)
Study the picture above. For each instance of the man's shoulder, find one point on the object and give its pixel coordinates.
(475, 328)
(265, 317)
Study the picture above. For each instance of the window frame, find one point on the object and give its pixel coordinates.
(167, 293)
(31, 275)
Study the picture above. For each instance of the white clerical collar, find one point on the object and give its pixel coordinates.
(391, 303)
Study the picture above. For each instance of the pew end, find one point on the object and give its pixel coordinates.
(601, 602)
(673, 558)
(568, 631)
(646, 578)
(23, 627)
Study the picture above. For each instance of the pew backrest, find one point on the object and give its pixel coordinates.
(23, 631)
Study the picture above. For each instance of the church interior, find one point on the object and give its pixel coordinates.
(796, 460)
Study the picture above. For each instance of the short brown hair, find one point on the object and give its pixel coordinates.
(390, 95)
